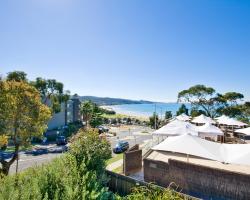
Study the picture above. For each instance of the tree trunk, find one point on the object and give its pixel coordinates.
(6, 165)
(5, 168)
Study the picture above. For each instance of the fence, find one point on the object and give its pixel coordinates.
(123, 184)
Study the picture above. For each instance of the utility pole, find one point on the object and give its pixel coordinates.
(161, 113)
(155, 116)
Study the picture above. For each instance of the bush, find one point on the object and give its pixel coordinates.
(71, 176)
(76, 175)
(90, 149)
(61, 179)
(152, 192)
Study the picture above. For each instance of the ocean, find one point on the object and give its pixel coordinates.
(145, 110)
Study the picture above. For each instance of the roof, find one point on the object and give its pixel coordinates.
(202, 119)
(183, 117)
(165, 156)
(230, 122)
(177, 127)
(210, 129)
(245, 131)
(192, 145)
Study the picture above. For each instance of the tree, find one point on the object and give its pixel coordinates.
(89, 148)
(246, 109)
(22, 116)
(194, 112)
(231, 106)
(245, 112)
(168, 115)
(232, 98)
(91, 113)
(182, 109)
(97, 118)
(154, 121)
(87, 111)
(17, 76)
(200, 97)
(206, 99)
(52, 92)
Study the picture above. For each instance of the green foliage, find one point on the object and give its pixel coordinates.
(51, 92)
(233, 97)
(72, 129)
(91, 113)
(97, 118)
(194, 112)
(154, 193)
(108, 112)
(63, 178)
(22, 115)
(17, 76)
(78, 174)
(87, 111)
(154, 121)
(90, 149)
(211, 103)
(182, 109)
(168, 115)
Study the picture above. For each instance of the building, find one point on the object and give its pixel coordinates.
(200, 168)
(68, 114)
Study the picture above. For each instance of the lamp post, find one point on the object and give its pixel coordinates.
(155, 116)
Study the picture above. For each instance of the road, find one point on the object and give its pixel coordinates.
(27, 161)
(132, 134)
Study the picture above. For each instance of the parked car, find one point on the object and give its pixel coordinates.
(121, 146)
(102, 129)
(61, 140)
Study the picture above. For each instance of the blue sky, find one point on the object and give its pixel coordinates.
(135, 49)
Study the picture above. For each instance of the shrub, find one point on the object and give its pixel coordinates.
(153, 192)
(90, 149)
(71, 176)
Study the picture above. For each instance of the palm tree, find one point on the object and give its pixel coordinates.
(87, 110)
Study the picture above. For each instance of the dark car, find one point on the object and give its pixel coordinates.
(102, 129)
(121, 147)
(61, 140)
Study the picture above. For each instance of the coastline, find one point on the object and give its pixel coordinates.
(124, 113)
(144, 111)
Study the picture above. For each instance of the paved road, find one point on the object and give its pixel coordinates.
(27, 161)
(134, 136)
(41, 154)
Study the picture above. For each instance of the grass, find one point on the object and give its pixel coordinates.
(115, 158)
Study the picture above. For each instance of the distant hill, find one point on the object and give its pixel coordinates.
(103, 101)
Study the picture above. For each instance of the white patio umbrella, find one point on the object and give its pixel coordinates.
(222, 117)
(202, 119)
(231, 122)
(245, 131)
(191, 145)
(177, 127)
(183, 117)
(209, 130)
